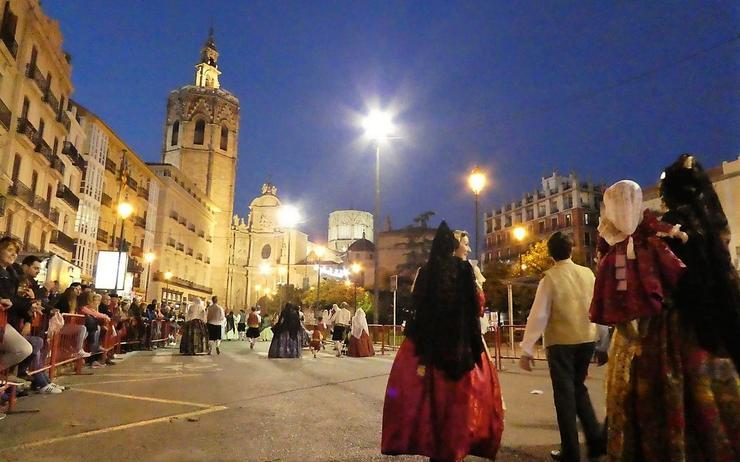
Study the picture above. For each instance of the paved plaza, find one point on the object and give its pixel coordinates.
(160, 406)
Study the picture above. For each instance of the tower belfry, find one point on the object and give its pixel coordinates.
(206, 71)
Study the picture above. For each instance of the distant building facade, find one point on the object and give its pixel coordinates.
(561, 203)
(347, 226)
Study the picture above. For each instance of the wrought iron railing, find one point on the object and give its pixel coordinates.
(34, 73)
(103, 235)
(62, 240)
(66, 194)
(21, 191)
(5, 115)
(70, 151)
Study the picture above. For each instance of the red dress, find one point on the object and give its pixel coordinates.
(360, 347)
(627, 289)
(428, 414)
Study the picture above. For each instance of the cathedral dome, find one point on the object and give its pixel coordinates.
(268, 198)
(361, 245)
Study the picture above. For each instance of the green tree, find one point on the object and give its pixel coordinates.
(535, 261)
(332, 291)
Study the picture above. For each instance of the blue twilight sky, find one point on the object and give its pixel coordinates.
(610, 90)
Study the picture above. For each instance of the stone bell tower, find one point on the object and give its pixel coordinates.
(201, 139)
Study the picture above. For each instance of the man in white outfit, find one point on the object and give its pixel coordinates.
(216, 318)
(340, 320)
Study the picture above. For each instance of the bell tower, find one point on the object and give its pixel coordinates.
(201, 139)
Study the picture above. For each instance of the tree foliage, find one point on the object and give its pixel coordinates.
(535, 261)
(332, 291)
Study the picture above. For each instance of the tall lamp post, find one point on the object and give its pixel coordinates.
(149, 257)
(124, 210)
(167, 277)
(355, 268)
(519, 234)
(476, 181)
(378, 127)
(288, 217)
(320, 251)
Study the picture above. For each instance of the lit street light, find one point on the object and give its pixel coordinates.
(124, 210)
(355, 268)
(378, 127)
(519, 234)
(319, 251)
(476, 181)
(149, 257)
(167, 277)
(288, 217)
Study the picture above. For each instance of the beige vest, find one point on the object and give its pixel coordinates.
(572, 288)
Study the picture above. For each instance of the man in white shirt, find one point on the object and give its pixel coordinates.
(340, 320)
(216, 318)
(560, 312)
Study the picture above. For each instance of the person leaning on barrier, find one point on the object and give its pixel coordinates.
(13, 347)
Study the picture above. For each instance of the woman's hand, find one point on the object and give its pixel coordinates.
(5, 303)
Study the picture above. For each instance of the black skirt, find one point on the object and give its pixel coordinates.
(241, 327)
(253, 332)
(214, 332)
(338, 333)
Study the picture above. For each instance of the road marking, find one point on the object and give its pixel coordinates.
(114, 428)
(142, 398)
(176, 376)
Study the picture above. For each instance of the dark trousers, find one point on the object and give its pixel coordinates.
(568, 368)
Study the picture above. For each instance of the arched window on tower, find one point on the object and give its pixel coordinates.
(200, 132)
(175, 133)
(224, 138)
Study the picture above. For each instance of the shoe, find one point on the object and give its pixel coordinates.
(61, 387)
(50, 389)
(83, 354)
(108, 362)
(218, 351)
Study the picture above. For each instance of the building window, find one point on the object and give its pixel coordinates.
(587, 239)
(266, 251)
(200, 132)
(43, 241)
(42, 126)
(56, 145)
(585, 218)
(27, 236)
(9, 224)
(26, 107)
(568, 220)
(175, 133)
(554, 223)
(224, 138)
(541, 227)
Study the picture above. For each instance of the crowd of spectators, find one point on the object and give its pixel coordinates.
(33, 312)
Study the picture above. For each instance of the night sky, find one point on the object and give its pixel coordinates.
(610, 90)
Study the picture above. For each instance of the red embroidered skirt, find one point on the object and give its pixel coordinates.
(426, 413)
(360, 347)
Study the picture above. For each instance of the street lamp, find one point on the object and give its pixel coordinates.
(288, 217)
(319, 251)
(355, 268)
(167, 277)
(124, 210)
(378, 127)
(476, 181)
(149, 257)
(519, 234)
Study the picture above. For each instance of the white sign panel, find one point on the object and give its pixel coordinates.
(105, 273)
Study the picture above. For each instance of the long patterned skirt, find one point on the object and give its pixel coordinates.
(285, 346)
(194, 338)
(426, 413)
(669, 399)
(360, 347)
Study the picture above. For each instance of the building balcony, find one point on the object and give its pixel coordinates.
(134, 266)
(144, 193)
(34, 73)
(191, 227)
(2, 206)
(103, 236)
(209, 239)
(171, 242)
(110, 165)
(43, 148)
(5, 115)
(137, 252)
(140, 222)
(66, 194)
(42, 205)
(174, 215)
(22, 192)
(180, 247)
(106, 200)
(60, 239)
(70, 151)
(25, 127)
(132, 183)
(178, 281)
(64, 119)
(189, 253)
(51, 100)
(208, 260)
(54, 215)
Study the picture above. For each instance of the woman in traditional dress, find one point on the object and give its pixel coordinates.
(360, 345)
(674, 391)
(194, 331)
(317, 336)
(443, 398)
(253, 326)
(229, 332)
(286, 342)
